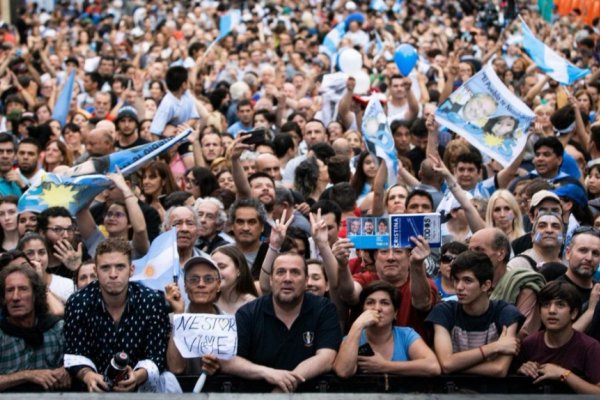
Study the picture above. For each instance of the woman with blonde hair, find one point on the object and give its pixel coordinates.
(503, 212)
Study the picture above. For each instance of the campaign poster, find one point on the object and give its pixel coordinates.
(488, 116)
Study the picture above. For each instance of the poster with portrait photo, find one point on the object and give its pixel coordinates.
(364, 234)
(488, 116)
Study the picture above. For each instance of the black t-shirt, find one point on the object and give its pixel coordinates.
(584, 293)
(138, 142)
(469, 332)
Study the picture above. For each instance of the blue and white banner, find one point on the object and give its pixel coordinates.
(77, 187)
(63, 102)
(333, 39)
(127, 161)
(228, 22)
(161, 265)
(72, 193)
(549, 61)
(378, 138)
(488, 115)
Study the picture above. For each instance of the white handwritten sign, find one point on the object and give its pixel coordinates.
(196, 335)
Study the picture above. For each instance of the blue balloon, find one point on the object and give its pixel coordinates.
(405, 58)
(358, 17)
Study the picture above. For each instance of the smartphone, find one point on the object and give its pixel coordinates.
(365, 350)
(258, 136)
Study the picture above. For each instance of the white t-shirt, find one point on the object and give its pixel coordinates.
(61, 287)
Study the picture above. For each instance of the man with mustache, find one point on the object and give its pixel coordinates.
(583, 256)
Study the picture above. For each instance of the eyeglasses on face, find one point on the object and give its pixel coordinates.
(196, 279)
(59, 230)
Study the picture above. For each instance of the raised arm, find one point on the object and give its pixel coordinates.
(473, 217)
(345, 104)
(278, 232)
(140, 241)
(348, 290)
(378, 207)
(420, 290)
(239, 176)
(320, 236)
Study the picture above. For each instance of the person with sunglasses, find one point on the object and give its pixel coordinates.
(202, 286)
(444, 282)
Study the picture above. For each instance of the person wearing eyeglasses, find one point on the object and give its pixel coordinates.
(202, 286)
(57, 226)
(444, 281)
(120, 218)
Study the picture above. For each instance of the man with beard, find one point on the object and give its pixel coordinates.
(127, 128)
(262, 187)
(28, 154)
(583, 256)
(289, 336)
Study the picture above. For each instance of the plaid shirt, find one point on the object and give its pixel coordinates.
(16, 356)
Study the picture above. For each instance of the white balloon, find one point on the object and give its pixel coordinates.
(363, 82)
(350, 61)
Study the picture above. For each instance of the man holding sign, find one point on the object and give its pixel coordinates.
(289, 336)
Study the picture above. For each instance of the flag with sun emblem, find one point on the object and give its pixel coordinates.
(54, 190)
(161, 265)
(378, 137)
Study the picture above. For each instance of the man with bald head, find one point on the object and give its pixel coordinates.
(518, 287)
(269, 164)
(99, 142)
(342, 147)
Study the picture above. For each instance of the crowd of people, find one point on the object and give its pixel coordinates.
(261, 191)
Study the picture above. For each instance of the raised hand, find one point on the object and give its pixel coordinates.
(319, 229)
(279, 229)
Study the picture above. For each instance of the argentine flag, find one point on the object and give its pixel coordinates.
(333, 39)
(63, 103)
(378, 137)
(161, 265)
(228, 22)
(549, 61)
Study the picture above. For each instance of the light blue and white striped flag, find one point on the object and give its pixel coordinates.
(333, 39)
(378, 137)
(228, 22)
(397, 7)
(63, 102)
(161, 265)
(549, 61)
